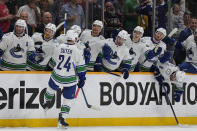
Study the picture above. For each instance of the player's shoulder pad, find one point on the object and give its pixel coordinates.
(7, 34)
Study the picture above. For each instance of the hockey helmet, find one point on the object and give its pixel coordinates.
(21, 22)
(123, 34)
(51, 27)
(162, 30)
(139, 29)
(180, 76)
(71, 35)
(76, 28)
(99, 23)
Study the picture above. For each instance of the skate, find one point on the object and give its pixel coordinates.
(177, 95)
(61, 122)
(46, 105)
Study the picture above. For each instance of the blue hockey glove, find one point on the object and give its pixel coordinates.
(107, 52)
(98, 65)
(158, 75)
(125, 73)
(82, 79)
(87, 55)
(169, 40)
(166, 57)
(177, 95)
(36, 57)
(81, 84)
(152, 53)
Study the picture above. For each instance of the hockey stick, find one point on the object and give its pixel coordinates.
(112, 73)
(88, 105)
(77, 92)
(168, 99)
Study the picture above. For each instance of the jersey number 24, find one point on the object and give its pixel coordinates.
(66, 63)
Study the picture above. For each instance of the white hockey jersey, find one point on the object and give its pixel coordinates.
(146, 64)
(61, 39)
(68, 61)
(166, 69)
(191, 50)
(120, 54)
(15, 51)
(47, 48)
(95, 43)
(136, 51)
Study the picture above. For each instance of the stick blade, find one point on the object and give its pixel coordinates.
(95, 108)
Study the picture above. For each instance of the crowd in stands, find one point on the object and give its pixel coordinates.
(118, 15)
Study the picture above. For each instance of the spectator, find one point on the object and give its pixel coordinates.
(161, 13)
(23, 16)
(187, 19)
(118, 5)
(44, 7)
(94, 12)
(47, 18)
(130, 15)
(75, 14)
(5, 16)
(55, 10)
(112, 20)
(177, 18)
(33, 12)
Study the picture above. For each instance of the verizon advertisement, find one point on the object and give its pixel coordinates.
(22, 96)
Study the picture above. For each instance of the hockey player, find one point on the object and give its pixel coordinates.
(68, 65)
(190, 45)
(115, 55)
(93, 41)
(165, 71)
(62, 37)
(15, 46)
(156, 44)
(45, 45)
(137, 48)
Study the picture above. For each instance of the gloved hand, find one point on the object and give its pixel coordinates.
(177, 95)
(107, 52)
(159, 78)
(166, 57)
(152, 53)
(125, 73)
(87, 55)
(36, 57)
(97, 67)
(81, 83)
(169, 40)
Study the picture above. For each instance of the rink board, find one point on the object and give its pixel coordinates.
(137, 101)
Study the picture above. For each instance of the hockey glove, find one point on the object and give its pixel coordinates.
(157, 74)
(81, 82)
(165, 57)
(169, 41)
(98, 65)
(107, 52)
(87, 55)
(125, 73)
(177, 95)
(36, 57)
(152, 53)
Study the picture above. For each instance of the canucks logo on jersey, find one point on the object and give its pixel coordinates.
(17, 51)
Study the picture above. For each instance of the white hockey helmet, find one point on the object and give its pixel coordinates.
(180, 76)
(71, 35)
(123, 34)
(76, 28)
(51, 27)
(99, 23)
(162, 30)
(21, 22)
(139, 29)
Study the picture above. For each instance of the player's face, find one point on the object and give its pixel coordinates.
(96, 29)
(158, 36)
(48, 34)
(136, 36)
(19, 30)
(119, 41)
(194, 24)
(173, 77)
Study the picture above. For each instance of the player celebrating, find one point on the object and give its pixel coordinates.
(165, 71)
(15, 46)
(68, 65)
(154, 43)
(190, 44)
(93, 41)
(115, 55)
(45, 45)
